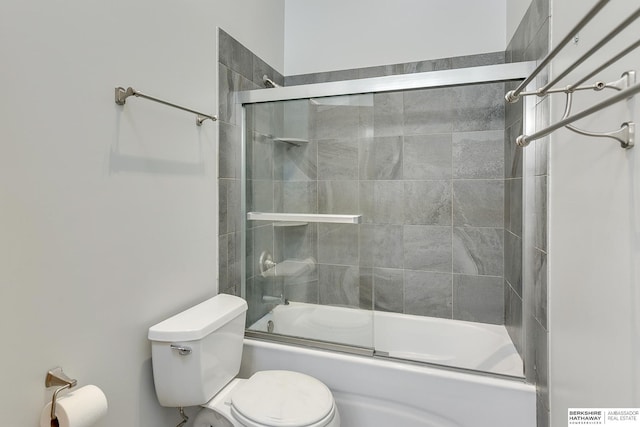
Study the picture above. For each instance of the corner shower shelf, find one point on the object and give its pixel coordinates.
(296, 142)
(301, 217)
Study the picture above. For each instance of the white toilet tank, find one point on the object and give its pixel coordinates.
(197, 352)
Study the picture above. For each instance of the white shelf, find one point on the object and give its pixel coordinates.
(300, 217)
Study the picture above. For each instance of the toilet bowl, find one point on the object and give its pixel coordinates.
(271, 399)
(196, 357)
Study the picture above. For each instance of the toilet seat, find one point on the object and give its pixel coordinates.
(282, 399)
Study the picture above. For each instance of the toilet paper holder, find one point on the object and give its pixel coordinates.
(55, 377)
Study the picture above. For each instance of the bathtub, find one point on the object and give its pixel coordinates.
(455, 343)
(379, 392)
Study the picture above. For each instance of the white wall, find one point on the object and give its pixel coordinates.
(515, 12)
(594, 240)
(332, 35)
(108, 214)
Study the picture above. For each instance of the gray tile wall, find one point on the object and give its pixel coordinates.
(239, 69)
(441, 198)
(526, 297)
(387, 180)
(426, 170)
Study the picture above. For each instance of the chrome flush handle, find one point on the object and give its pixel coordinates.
(182, 349)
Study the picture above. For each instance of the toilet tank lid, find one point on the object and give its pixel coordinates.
(200, 320)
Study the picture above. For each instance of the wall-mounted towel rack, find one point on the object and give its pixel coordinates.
(524, 140)
(122, 94)
(625, 135)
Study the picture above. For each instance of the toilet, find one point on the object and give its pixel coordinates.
(196, 357)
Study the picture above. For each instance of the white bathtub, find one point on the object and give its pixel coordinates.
(456, 343)
(374, 392)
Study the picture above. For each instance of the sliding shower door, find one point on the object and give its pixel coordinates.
(303, 211)
(381, 219)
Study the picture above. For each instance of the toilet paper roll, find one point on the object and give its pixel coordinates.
(78, 408)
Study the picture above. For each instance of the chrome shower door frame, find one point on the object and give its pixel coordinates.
(425, 80)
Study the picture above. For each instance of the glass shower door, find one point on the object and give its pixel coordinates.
(303, 277)
(396, 201)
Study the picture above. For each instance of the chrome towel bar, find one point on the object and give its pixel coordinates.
(593, 50)
(524, 140)
(513, 96)
(625, 135)
(620, 54)
(121, 95)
